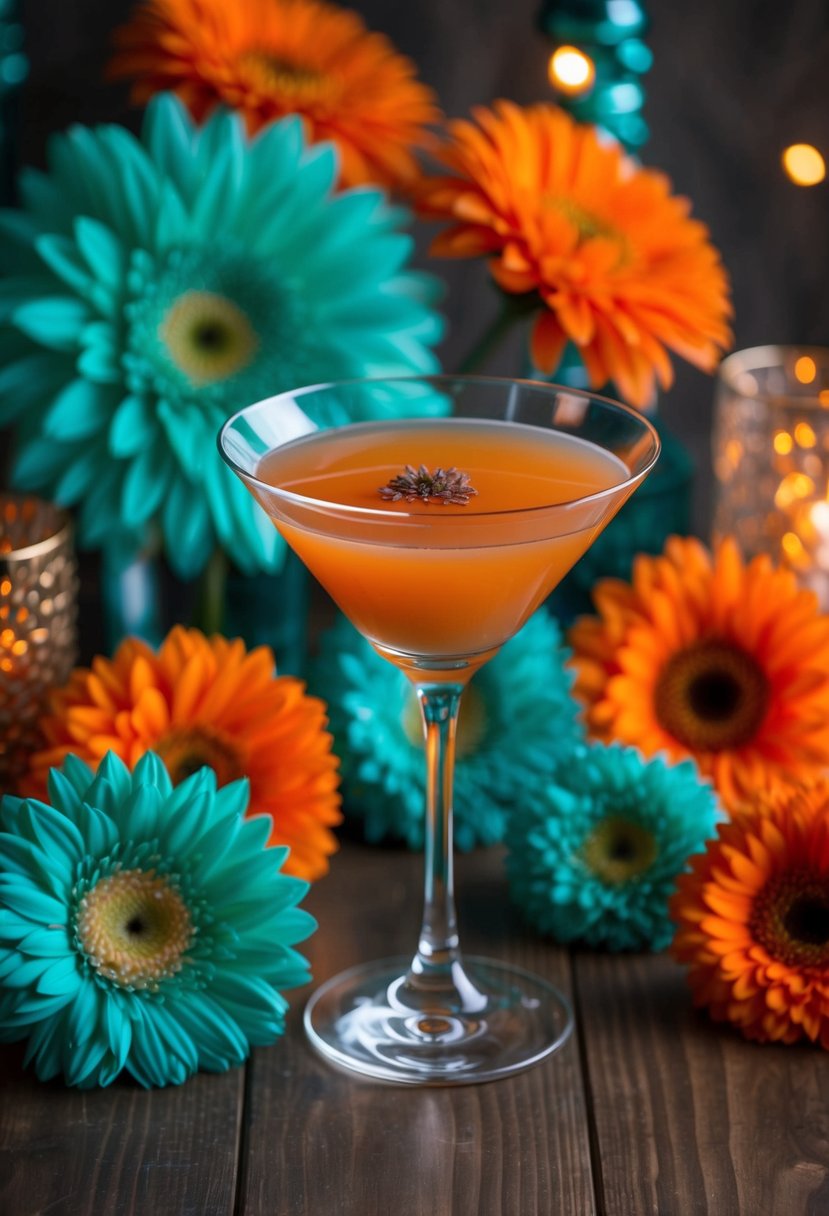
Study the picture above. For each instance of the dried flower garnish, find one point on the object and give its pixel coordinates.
(444, 486)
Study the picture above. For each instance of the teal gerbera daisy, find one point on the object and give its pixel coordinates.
(151, 286)
(142, 927)
(594, 853)
(517, 717)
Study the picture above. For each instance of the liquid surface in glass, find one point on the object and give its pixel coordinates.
(427, 579)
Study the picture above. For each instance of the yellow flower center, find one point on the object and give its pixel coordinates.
(712, 696)
(472, 722)
(134, 928)
(192, 748)
(289, 83)
(208, 337)
(588, 224)
(791, 919)
(618, 850)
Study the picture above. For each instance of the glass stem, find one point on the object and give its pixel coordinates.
(436, 973)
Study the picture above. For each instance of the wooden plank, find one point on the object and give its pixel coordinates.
(688, 1118)
(318, 1141)
(123, 1150)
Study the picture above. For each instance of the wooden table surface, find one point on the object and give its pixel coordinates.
(649, 1109)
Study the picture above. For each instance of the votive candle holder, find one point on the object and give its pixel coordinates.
(771, 458)
(38, 622)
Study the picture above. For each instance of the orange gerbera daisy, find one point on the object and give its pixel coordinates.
(269, 58)
(621, 269)
(753, 919)
(207, 701)
(702, 655)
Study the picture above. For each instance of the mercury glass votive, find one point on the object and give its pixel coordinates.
(771, 458)
(38, 611)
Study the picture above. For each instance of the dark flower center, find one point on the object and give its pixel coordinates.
(618, 850)
(190, 749)
(791, 919)
(211, 335)
(282, 80)
(711, 695)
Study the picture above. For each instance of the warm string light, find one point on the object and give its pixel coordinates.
(804, 164)
(571, 71)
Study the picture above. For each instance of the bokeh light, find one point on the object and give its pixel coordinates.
(571, 71)
(804, 164)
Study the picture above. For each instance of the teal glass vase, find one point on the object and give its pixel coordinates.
(142, 598)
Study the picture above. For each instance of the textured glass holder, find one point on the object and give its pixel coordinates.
(38, 622)
(771, 458)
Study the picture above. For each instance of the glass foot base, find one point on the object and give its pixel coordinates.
(358, 1022)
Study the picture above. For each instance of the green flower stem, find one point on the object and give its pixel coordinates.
(212, 594)
(513, 309)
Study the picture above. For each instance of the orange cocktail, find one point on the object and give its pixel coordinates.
(438, 570)
(430, 579)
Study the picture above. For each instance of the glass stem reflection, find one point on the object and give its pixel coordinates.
(436, 978)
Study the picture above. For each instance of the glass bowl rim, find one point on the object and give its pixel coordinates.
(763, 357)
(381, 513)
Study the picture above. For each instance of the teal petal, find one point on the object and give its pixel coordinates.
(174, 225)
(20, 973)
(54, 321)
(168, 133)
(232, 799)
(185, 821)
(28, 383)
(99, 515)
(27, 901)
(150, 770)
(149, 1059)
(102, 251)
(219, 1039)
(188, 531)
(254, 1006)
(133, 427)
(17, 290)
(61, 979)
(145, 486)
(45, 1047)
(139, 815)
(62, 794)
(97, 828)
(113, 770)
(118, 1030)
(37, 464)
(77, 773)
(25, 859)
(52, 942)
(78, 477)
(100, 363)
(83, 1013)
(82, 1064)
(61, 256)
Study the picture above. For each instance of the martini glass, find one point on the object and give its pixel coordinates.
(437, 584)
